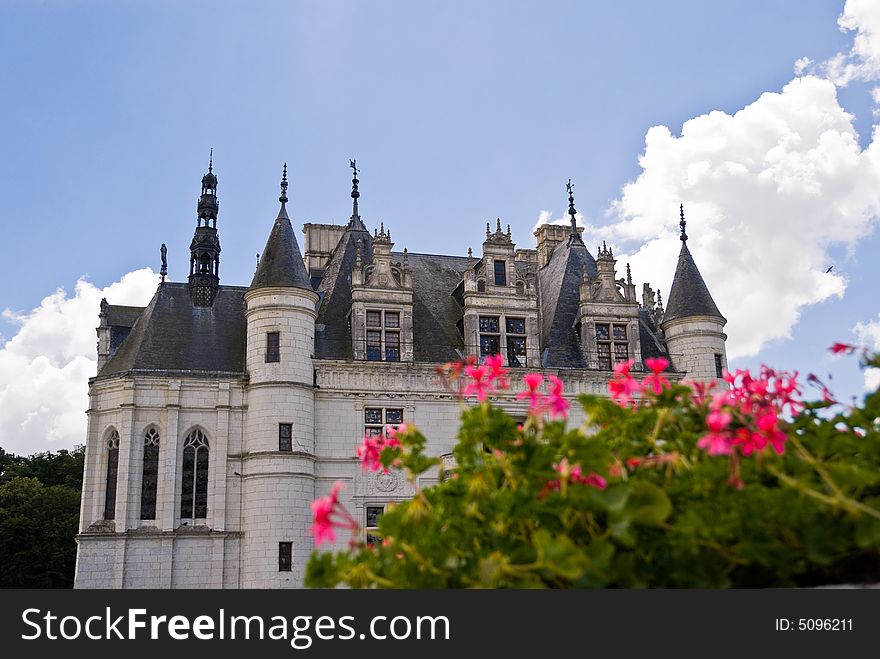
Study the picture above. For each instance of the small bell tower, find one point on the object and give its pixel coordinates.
(204, 260)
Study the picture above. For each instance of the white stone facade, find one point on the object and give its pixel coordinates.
(275, 437)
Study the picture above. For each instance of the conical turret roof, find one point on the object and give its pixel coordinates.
(689, 295)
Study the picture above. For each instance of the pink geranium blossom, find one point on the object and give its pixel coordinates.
(486, 379)
(623, 386)
(323, 521)
(535, 397)
(556, 402)
(573, 474)
(656, 382)
(747, 416)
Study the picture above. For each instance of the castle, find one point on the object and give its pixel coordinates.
(219, 413)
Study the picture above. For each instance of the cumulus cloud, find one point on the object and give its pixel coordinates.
(45, 366)
(767, 192)
(868, 333)
(862, 61)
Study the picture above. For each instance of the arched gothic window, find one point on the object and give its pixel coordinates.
(112, 469)
(149, 483)
(194, 490)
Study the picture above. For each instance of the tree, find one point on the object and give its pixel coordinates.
(39, 516)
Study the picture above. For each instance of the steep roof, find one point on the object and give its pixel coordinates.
(559, 283)
(122, 316)
(435, 311)
(171, 334)
(281, 263)
(689, 295)
(332, 331)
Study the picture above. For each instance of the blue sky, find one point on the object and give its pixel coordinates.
(458, 112)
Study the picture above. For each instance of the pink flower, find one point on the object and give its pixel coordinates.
(574, 474)
(718, 421)
(486, 379)
(656, 382)
(391, 433)
(368, 453)
(557, 403)
(656, 364)
(715, 444)
(838, 348)
(758, 403)
(496, 374)
(479, 385)
(322, 522)
(536, 398)
(623, 386)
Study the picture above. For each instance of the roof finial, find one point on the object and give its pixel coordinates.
(682, 224)
(211, 161)
(164, 269)
(354, 189)
(283, 197)
(629, 275)
(571, 210)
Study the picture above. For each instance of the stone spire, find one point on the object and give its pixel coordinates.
(682, 224)
(355, 194)
(281, 263)
(689, 295)
(204, 260)
(574, 236)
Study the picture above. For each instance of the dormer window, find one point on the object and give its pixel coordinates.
(383, 335)
(500, 273)
(612, 345)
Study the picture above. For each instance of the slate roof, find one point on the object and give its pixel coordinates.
(559, 284)
(435, 311)
(171, 334)
(281, 262)
(332, 331)
(689, 295)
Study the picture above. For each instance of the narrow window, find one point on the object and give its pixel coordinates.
(500, 273)
(194, 488)
(273, 347)
(150, 481)
(112, 467)
(285, 437)
(719, 366)
(285, 556)
(481, 286)
(612, 345)
(490, 335)
(516, 341)
(373, 513)
(392, 346)
(374, 346)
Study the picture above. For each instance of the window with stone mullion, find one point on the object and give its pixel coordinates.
(382, 335)
(612, 345)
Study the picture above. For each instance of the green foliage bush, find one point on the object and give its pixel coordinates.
(511, 514)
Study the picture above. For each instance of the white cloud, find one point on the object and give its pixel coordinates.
(868, 333)
(45, 367)
(862, 62)
(766, 192)
(801, 65)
